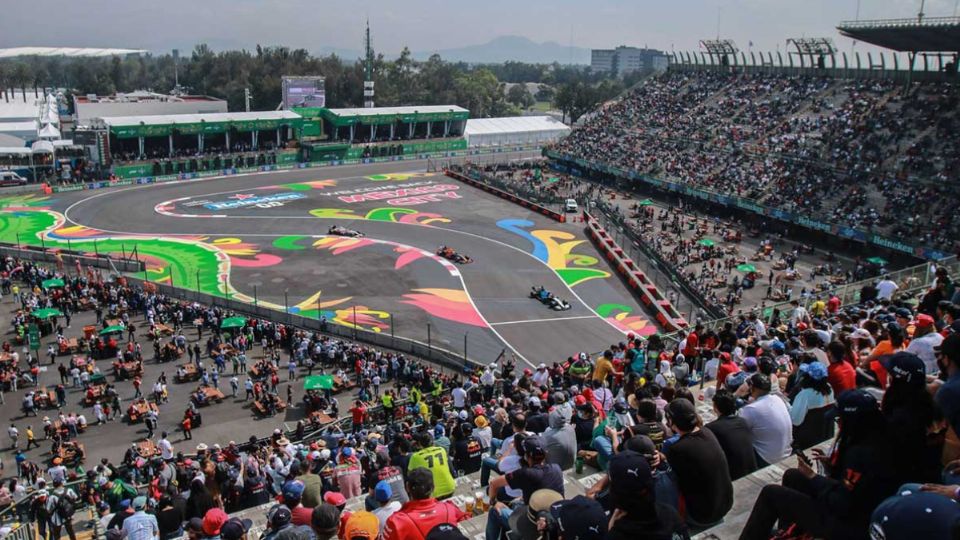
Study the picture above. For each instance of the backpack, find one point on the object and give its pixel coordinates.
(65, 507)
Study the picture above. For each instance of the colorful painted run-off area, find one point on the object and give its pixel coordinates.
(236, 237)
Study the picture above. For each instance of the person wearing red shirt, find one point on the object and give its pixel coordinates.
(422, 512)
(833, 304)
(359, 413)
(726, 368)
(840, 374)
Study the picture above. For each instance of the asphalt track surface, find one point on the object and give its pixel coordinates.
(497, 282)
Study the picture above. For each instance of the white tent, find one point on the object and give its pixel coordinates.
(49, 131)
(515, 130)
(42, 147)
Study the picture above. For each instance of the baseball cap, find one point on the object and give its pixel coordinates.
(362, 524)
(682, 409)
(523, 521)
(293, 490)
(334, 497)
(278, 516)
(213, 520)
(912, 513)
(630, 475)
(580, 518)
(139, 503)
(445, 531)
(924, 320)
(534, 402)
(235, 528)
(855, 402)
(906, 367)
(383, 492)
(950, 347)
(533, 445)
(481, 422)
(195, 524)
(903, 313)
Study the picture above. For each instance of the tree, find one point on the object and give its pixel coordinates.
(520, 96)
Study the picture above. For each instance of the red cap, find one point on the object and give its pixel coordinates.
(213, 520)
(579, 400)
(334, 497)
(924, 320)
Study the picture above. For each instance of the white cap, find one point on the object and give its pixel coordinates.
(542, 366)
(463, 415)
(534, 401)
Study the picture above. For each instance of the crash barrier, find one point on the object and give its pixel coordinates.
(69, 258)
(556, 216)
(232, 171)
(644, 289)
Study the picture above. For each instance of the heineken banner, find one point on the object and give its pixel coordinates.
(567, 164)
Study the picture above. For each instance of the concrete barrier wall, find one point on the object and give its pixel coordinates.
(556, 216)
(640, 285)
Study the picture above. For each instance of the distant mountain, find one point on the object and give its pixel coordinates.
(516, 48)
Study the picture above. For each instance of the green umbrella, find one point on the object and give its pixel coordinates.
(115, 329)
(746, 268)
(707, 242)
(233, 322)
(51, 283)
(879, 261)
(46, 313)
(646, 202)
(318, 382)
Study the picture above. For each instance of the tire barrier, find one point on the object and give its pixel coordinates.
(641, 286)
(556, 216)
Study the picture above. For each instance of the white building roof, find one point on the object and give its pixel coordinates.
(19, 104)
(19, 127)
(376, 111)
(65, 51)
(163, 119)
(513, 124)
(14, 151)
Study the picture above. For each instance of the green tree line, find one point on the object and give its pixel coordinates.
(399, 81)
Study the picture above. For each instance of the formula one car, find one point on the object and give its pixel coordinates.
(450, 254)
(343, 231)
(548, 299)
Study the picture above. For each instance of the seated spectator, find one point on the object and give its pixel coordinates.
(734, 435)
(815, 392)
(422, 512)
(560, 440)
(769, 421)
(700, 466)
(637, 515)
(857, 477)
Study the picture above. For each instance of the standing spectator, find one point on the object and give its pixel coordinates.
(61, 505)
(140, 526)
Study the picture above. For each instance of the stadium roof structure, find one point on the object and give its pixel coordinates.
(190, 124)
(66, 51)
(390, 115)
(917, 34)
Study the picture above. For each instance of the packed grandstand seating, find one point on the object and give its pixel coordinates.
(869, 154)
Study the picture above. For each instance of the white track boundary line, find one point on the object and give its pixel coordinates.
(543, 320)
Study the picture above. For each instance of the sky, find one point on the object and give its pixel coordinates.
(430, 25)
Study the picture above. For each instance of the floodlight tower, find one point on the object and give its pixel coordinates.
(368, 71)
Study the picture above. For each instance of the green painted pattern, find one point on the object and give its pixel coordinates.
(289, 243)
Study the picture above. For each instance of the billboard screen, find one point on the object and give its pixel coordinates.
(303, 92)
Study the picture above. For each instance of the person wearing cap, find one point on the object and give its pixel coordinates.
(235, 529)
(60, 506)
(361, 525)
(140, 525)
(422, 512)
(859, 475)
(925, 340)
(769, 421)
(910, 413)
(434, 459)
(348, 474)
(815, 393)
(534, 474)
(483, 431)
(383, 493)
(948, 397)
(278, 520)
(292, 495)
(734, 435)
(637, 514)
(467, 451)
(524, 520)
(917, 512)
(700, 466)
